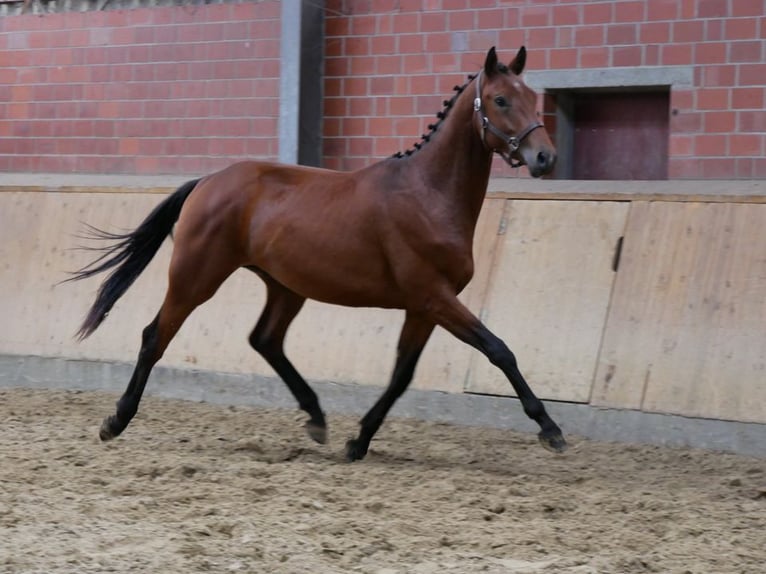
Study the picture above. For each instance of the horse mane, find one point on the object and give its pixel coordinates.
(441, 115)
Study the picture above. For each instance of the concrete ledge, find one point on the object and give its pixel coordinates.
(463, 409)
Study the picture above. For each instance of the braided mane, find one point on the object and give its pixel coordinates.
(441, 115)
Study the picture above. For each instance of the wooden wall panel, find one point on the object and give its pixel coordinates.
(325, 342)
(686, 333)
(549, 294)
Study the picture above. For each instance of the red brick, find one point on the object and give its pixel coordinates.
(716, 76)
(388, 65)
(746, 145)
(627, 56)
(714, 30)
(363, 25)
(751, 74)
(706, 145)
(380, 127)
(758, 168)
(589, 35)
(445, 63)
(713, 99)
(383, 85)
(688, 31)
(681, 145)
(438, 42)
(353, 126)
(539, 38)
(564, 15)
(662, 9)
(717, 169)
(563, 58)
(746, 8)
(334, 107)
(433, 22)
(751, 121)
(356, 46)
(362, 65)
(415, 64)
(565, 37)
(422, 84)
(674, 54)
(716, 122)
(411, 43)
(651, 55)
(383, 146)
(712, 8)
(461, 20)
(745, 51)
(597, 12)
(360, 146)
(654, 33)
(682, 99)
(741, 28)
(747, 98)
(488, 19)
(710, 53)
(632, 11)
(535, 16)
(594, 57)
(406, 23)
(621, 34)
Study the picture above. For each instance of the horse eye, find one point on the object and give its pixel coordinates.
(501, 101)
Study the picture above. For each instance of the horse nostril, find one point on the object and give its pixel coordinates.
(545, 160)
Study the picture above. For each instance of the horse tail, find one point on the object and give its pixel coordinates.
(130, 253)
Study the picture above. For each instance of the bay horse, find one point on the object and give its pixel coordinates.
(396, 234)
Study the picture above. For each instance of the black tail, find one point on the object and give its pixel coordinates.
(130, 253)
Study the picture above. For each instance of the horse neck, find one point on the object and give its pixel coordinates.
(454, 162)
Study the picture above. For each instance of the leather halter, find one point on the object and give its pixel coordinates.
(512, 141)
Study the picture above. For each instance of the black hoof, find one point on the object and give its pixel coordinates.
(317, 432)
(355, 450)
(110, 428)
(553, 441)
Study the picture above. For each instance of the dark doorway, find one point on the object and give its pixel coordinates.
(615, 135)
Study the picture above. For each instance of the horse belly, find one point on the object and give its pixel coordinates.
(346, 273)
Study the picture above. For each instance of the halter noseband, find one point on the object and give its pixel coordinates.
(513, 142)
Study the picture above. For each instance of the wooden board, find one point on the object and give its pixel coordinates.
(686, 333)
(549, 294)
(325, 342)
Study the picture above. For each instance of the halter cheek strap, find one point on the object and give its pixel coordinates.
(513, 142)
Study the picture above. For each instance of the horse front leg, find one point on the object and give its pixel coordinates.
(413, 338)
(451, 314)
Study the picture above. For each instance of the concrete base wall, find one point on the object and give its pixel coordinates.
(619, 425)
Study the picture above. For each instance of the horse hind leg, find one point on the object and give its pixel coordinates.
(267, 338)
(413, 338)
(189, 287)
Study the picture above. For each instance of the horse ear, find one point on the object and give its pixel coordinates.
(517, 65)
(490, 64)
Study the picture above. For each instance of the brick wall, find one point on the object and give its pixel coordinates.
(183, 89)
(389, 64)
(189, 89)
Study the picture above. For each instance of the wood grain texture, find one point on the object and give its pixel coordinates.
(686, 332)
(549, 294)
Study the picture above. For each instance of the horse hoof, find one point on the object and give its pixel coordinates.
(355, 451)
(318, 433)
(553, 442)
(107, 430)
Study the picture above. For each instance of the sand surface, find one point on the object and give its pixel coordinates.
(200, 488)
